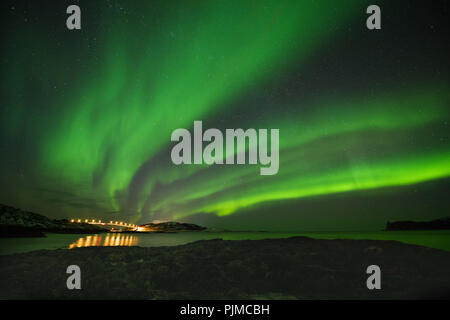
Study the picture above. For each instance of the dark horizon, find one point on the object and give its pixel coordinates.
(260, 218)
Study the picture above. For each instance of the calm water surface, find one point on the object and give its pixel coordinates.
(435, 239)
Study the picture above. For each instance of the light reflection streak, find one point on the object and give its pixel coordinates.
(114, 240)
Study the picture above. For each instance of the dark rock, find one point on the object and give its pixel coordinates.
(235, 269)
(171, 226)
(439, 224)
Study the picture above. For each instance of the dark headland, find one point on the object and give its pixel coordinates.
(171, 226)
(439, 224)
(20, 223)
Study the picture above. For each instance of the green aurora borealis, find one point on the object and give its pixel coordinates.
(87, 115)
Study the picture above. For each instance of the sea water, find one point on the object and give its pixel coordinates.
(439, 239)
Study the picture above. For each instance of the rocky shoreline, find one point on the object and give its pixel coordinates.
(293, 268)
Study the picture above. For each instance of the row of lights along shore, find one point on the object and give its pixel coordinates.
(117, 223)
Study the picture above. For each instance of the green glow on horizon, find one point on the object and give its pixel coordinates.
(298, 179)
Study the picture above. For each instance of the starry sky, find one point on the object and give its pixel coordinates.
(87, 115)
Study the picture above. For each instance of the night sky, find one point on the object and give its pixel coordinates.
(87, 115)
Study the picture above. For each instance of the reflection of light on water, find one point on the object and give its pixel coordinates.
(80, 242)
(114, 240)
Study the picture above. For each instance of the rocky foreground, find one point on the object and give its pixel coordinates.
(294, 268)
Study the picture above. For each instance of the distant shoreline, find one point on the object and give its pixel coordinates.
(17, 231)
(19, 223)
(439, 224)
